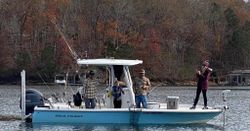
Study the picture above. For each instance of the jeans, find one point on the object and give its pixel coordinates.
(90, 103)
(141, 99)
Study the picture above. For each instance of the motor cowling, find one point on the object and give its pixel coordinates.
(33, 98)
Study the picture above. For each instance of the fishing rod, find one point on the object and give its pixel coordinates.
(73, 53)
(158, 85)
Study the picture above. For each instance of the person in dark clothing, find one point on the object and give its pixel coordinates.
(116, 93)
(202, 84)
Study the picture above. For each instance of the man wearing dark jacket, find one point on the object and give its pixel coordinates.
(202, 84)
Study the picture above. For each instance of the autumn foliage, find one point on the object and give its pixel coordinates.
(172, 37)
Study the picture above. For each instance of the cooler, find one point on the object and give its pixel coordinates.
(172, 102)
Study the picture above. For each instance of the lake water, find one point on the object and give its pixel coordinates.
(237, 117)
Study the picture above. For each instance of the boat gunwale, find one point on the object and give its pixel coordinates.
(162, 110)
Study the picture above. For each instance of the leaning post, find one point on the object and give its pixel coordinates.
(23, 86)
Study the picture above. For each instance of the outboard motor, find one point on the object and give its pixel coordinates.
(33, 98)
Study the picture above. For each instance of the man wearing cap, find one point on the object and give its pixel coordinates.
(202, 83)
(90, 90)
(141, 87)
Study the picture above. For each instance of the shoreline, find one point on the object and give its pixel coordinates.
(154, 85)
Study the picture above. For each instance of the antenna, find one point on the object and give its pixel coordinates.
(72, 52)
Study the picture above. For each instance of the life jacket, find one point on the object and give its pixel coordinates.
(116, 92)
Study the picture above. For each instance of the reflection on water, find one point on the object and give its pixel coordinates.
(237, 117)
(119, 127)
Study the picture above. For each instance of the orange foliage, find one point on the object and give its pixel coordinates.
(243, 15)
(100, 26)
(110, 30)
(154, 42)
(52, 9)
(150, 28)
(238, 6)
(51, 12)
(63, 55)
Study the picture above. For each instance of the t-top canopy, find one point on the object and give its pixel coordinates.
(108, 62)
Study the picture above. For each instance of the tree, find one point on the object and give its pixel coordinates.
(48, 63)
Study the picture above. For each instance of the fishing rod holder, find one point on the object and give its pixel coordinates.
(225, 107)
(224, 98)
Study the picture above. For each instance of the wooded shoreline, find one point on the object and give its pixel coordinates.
(172, 37)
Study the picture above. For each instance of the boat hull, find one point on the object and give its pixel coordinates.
(123, 116)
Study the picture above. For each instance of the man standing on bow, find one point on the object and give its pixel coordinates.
(141, 87)
(202, 83)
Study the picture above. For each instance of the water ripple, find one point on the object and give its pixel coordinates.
(237, 117)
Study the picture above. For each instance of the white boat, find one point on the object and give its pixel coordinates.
(170, 112)
(60, 79)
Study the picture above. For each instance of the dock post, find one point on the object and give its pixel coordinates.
(23, 102)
